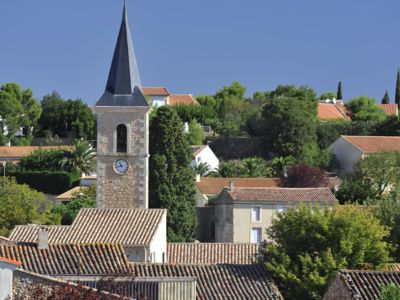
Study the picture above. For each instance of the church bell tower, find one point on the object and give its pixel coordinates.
(122, 131)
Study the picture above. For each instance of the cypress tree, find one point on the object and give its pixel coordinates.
(171, 177)
(386, 99)
(397, 96)
(339, 95)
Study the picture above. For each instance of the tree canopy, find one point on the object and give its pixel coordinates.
(18, 109)
(171, 177)
(309, 245)
(365, 109)
(21, 205)
(302, 176)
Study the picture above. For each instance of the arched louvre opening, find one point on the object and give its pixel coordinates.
(122, 138)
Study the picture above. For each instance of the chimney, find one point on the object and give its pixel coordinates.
(231, 185)
(43, 238)
(198, 177)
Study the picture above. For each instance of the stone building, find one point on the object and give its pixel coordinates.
(122, 131)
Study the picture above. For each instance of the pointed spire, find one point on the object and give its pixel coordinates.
(123, 84)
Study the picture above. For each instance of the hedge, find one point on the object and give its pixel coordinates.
(48, 182)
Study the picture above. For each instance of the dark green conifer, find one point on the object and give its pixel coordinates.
(397, 95)
(171, 177)
(339, 95)
(386, 99)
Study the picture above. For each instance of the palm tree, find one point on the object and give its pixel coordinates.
(81, 159)
(202, 169)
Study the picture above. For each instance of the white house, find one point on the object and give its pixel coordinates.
(350, 149)
(7, 267)
(204, 154)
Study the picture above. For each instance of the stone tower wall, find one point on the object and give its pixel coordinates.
(129, 190)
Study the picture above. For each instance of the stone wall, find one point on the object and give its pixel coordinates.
(129, 190)
(337, 291)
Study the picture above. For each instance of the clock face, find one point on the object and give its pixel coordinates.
(121, 166)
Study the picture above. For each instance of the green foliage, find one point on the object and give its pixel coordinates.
(365, 109)
(202, 169)
(291, 124)
(356, 189)
(313, 156)
(20, 205)
(18, 109)
(85, 198)
(201, 113)
(80, 159)
(397, 95)
(250, 167)
(381, 169)
(279, 163)
(328, 95)
(43, 159)
(63, 118)
(309, 245)
(196, 134)
(48, 182)
(303, 93)
(388, 213)
(390, 291)
(171, 178)
(339, 94)
(386, 99)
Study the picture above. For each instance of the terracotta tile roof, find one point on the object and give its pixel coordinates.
(155, 91)
(187, 99)
(212, 253)
(213, 186)
(366, 285)
(218, 281)
(10, 261)
(390, 109)
(93, 225)
(197, 149)
(282, 195)
(370, 144)
(69, 194)
(16, 152)
(89, 259)
(330, 111)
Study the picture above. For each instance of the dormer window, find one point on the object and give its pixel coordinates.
(122, 138)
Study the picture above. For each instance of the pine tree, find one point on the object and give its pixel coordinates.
(339, 95)
(386, 99)
(397, 96)
(171, 177)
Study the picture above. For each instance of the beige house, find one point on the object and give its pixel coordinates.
(243, 214)
(350, 149)
(160, 96)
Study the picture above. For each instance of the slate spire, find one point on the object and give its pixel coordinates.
(123, 85)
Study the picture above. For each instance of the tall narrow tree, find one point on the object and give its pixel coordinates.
(171, 177)
(339, 94)
(386, 99)
(397, 96)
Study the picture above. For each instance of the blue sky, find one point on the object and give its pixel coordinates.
(199, 46)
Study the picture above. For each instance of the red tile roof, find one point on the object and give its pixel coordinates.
(218, 281)
(282, 195)
(330, 111)
(391, 109)
(155, 91)
(371, 144)
(16, 152)
(10, 261)
(212, 253)
(187, 99)
(214, 185)
(89, 259)
(366, 285)
(93, 225)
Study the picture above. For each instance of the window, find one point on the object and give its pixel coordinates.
(122, 136)
(256, 214)
(256, 235)
(281, 208)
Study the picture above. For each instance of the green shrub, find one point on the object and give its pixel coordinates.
(48, 182)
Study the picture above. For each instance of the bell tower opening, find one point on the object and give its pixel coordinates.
(122, 138)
